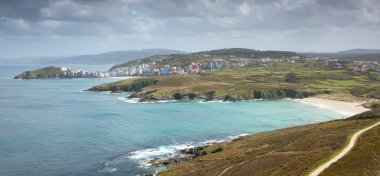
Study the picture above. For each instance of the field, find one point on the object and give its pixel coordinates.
(271, 81)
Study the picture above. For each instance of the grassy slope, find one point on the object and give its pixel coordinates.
(364, 159)
(242, 82)
(47, 72)
(131, 85)
(290, 151)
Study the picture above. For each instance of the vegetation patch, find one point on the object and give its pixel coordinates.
(366, 91)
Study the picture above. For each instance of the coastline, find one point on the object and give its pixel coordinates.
(347, 109)
(341, 107)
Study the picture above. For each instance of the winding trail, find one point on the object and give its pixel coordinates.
(352, 143)
(230, 167)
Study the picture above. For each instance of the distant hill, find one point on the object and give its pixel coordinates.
(361, 51)
(244, 52)
(113, 57)
(352, 54)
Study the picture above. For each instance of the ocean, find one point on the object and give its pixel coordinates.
(53, 127)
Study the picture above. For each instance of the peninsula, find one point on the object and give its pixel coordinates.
(276, 77)
(60, 72)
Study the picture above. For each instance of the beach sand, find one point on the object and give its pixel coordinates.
(342, 107)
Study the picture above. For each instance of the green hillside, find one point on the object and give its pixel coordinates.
(270, 81)
(290, 151)
(47, 72)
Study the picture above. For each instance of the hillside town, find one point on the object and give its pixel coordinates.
(226, 62)
(78, 73)
(154, 69)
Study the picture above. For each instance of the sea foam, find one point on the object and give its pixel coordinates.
(136, 100)
(144, 156)
(129, 100)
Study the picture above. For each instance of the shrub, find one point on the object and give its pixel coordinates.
(219, 149)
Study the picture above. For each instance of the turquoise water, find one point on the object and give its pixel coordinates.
(51, 127)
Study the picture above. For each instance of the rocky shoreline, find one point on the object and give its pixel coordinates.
(185, 155)
(271, 94)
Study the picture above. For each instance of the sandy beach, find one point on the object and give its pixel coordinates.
(342, 107)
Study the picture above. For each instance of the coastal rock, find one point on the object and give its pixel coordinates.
(186, 96)
(230, 98)
(192, 151)
(195, 152)
(151, 98)
(280, 93)
(269, 94)
(169, 161)
(116, 91)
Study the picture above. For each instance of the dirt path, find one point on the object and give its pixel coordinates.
(230, 167)
(351, 144)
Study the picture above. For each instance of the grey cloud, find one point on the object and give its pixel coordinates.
(152, 21)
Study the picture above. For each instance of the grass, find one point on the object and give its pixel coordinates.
(291, 151)
(326, 159)
(48, 71)
(364, 159)
(134, 84)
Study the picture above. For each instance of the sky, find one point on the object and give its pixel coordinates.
(30, 28)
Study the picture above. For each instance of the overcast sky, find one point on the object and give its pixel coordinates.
(71, 27)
